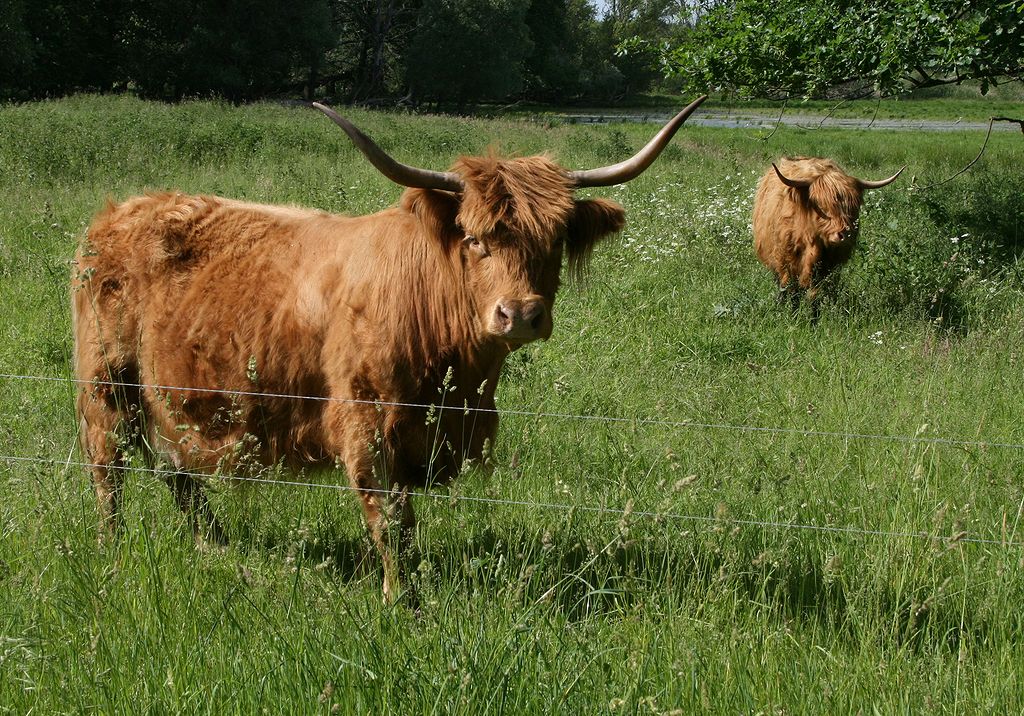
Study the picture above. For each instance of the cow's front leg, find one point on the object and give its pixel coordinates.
(391, 521)
(191, 499)
(810, 278)
(387, 508)
(788, 291)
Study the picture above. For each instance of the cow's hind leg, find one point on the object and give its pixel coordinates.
(107, 400)
(106, 409)
(191, 499)
(814, 302)
(104, 454)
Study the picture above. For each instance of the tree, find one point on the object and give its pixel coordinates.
(466, 50)
(571, 55)
(72, 44)
(656, 21)
(451, 51)
(367, 59)
(551, 68)
(16, 52)
(848, 48)
(237, 49)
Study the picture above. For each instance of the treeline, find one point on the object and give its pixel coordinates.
(419, 51)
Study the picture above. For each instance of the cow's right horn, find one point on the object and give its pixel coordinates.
(394, 170)
(881, 183)
(795, 183)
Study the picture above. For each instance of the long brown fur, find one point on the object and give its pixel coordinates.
(174, 294)
(803, 235)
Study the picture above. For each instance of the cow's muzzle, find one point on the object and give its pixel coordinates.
(841, 236)
(521, 320)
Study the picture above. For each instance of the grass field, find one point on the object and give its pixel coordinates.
(863, 554)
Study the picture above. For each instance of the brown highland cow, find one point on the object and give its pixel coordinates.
(806, 214)
(197, 318)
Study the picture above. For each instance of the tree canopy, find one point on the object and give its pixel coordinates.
(847, 48)
(445, 51)
(485, 48)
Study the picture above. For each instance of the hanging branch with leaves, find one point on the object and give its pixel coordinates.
(829, 49)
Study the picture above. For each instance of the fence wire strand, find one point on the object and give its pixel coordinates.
(655, 422)
(957, 538)
(643, 421)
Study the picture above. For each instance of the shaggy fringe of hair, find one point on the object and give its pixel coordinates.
(834, 191)
(528, 196)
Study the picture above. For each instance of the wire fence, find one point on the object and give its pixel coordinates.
(639, 421)
(955, 538)
(959, 537)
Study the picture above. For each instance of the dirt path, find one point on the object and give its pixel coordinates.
(744, 120)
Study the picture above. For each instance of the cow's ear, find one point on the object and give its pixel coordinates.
(592, 220)
(437, 210)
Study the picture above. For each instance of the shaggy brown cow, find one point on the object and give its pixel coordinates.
(372, 316)
(806, 221)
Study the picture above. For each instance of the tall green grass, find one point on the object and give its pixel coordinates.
(708, 585)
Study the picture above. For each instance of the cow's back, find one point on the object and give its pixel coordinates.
(196, 291)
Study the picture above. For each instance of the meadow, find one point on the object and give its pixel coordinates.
(699, 501)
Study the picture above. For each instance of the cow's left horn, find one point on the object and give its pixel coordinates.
(631, 168)
(879, 184)
(394, 170)
(795, 183)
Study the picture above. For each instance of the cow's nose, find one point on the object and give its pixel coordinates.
(533, 314)
(519, 319)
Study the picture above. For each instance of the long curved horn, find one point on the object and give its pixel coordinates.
(631, 168)
(395, 171)
(879, 184)
(795, 183)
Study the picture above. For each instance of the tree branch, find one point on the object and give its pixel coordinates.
(1019, 122)
(875, 115)
(971, 164)
(778, 122)
(827, 115)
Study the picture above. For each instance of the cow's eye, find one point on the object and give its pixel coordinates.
(473, 243)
